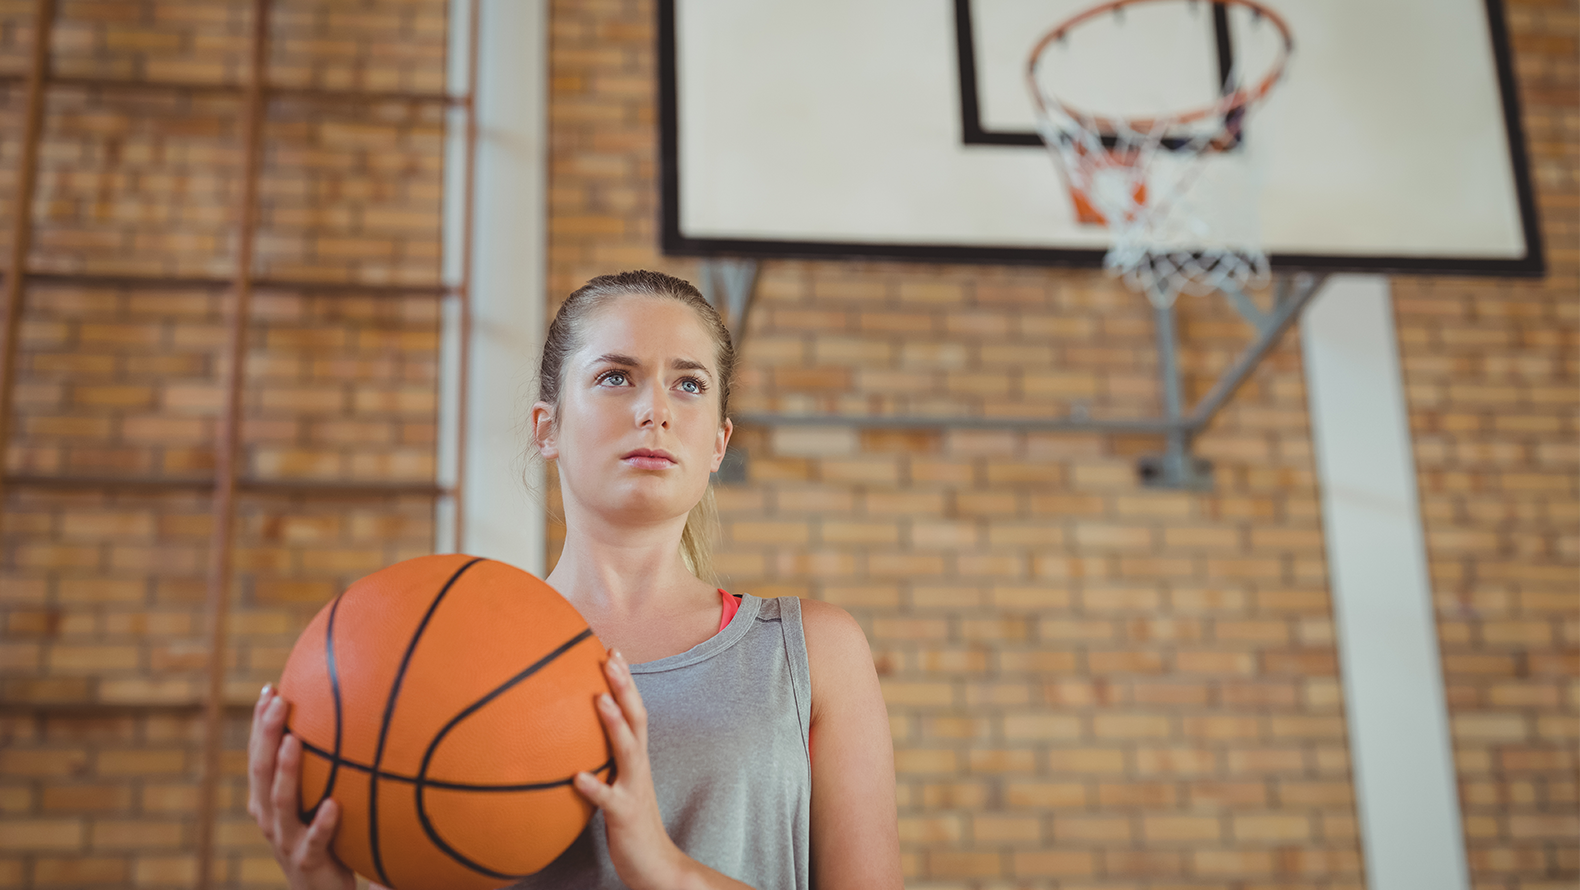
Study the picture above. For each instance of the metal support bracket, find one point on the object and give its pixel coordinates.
(1176, 467)
(735, 281)
(1248, 310)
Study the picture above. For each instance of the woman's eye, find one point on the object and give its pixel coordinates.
(691, 385)
(613, 378)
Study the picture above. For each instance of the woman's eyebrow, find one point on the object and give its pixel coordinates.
(679, 364)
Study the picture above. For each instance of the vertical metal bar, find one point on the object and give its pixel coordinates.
(224, 503)
(1175, 457)
(22, 223)
(464, 295)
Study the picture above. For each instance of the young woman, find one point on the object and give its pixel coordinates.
(750, 738)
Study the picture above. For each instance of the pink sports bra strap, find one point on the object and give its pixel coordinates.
(731, 606)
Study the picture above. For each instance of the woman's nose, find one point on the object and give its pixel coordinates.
(654, 409)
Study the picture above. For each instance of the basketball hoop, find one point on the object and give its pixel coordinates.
(1177, 189)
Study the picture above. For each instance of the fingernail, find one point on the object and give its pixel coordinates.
(265, 693)
(606, 702)
(276, 706)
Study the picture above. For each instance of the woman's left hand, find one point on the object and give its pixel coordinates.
(639, 846)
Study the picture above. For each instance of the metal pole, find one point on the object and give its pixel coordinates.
(224, 503)
(1175, 455)
(464, 292)
(22, 226)
(1143, 426)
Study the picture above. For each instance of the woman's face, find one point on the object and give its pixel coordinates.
(638, 430)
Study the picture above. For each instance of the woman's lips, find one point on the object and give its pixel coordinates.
(650, 463)
(644, 459)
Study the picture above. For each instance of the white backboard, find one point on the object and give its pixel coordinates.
(899, 128)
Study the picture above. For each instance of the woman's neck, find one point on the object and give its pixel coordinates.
(638, 597)
(625, 571)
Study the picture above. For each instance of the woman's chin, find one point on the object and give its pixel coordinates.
(646, 506)
(635, 498)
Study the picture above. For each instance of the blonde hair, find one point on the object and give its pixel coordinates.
(564, 338)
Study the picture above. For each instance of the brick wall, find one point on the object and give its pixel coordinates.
(101, 589)
(1090, 684)
(1490, 372)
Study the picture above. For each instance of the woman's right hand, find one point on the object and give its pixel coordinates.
(274, 765)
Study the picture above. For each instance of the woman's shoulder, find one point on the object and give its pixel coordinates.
(830, 624)
(836, 646)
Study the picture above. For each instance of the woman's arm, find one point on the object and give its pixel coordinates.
(855, 831)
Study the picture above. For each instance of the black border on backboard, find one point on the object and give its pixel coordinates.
(674, 242)
(971, 130)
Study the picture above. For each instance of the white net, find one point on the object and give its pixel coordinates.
(1178, 191)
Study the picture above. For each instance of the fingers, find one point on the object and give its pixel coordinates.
(268, 723)
(283, 796)
(626, 693)
(591, 787)
(639, 845)
(625, 723)
(623, 714)
(320, 833)
(621, 739)
(253, 736)
(263, 703)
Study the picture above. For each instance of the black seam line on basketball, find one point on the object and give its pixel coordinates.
(450, 786)
(389, 714)
(308, 814)
(427, 757)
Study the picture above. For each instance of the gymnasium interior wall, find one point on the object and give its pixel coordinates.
(1091, 684)
(104, 645)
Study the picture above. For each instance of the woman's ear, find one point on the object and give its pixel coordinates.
(543, 430)
(721, 442)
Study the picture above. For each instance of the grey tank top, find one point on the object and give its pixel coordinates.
(727, 731)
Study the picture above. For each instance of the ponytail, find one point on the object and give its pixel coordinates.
(696, 542)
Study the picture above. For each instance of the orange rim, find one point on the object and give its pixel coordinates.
(1240, 98)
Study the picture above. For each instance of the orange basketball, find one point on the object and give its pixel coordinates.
(445, 703)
